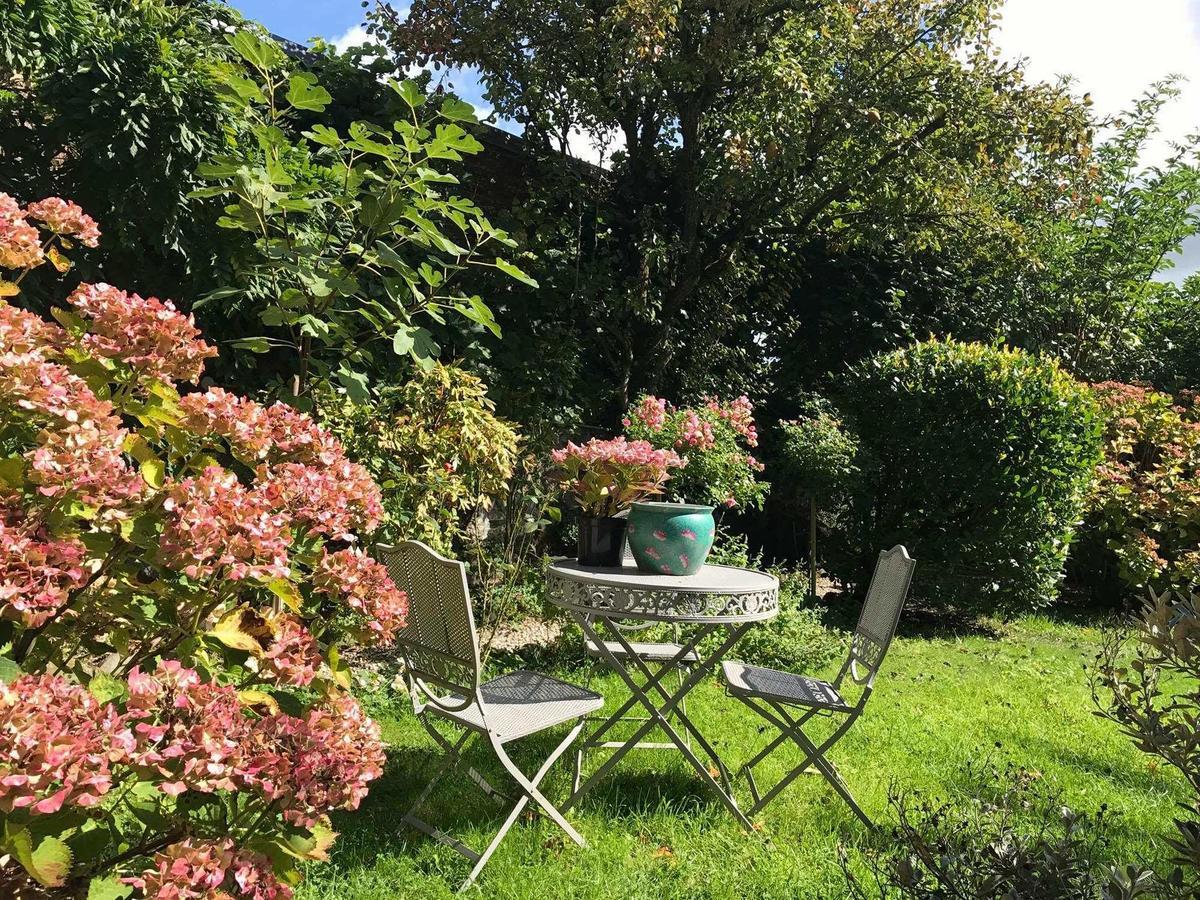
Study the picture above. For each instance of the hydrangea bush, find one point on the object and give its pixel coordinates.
(714, 438)
(177, 574)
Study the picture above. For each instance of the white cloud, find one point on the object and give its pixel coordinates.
(353, 36)
(1115, 49)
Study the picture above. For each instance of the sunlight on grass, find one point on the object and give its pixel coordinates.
(654, 833)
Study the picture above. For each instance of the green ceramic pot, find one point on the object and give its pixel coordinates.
(670, 538)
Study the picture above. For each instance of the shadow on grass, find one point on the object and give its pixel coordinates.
(457, 806)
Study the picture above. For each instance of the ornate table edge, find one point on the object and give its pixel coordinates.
(572, 591)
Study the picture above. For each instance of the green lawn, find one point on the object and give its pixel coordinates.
(652, 832)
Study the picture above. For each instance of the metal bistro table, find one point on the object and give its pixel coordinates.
(715, 599)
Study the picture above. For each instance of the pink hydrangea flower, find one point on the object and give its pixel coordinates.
(85, 461)
(618, 451)
(363, 585)
(37, 571)
(185, 733)
(146, 333)
(739, 414)
(65, 218)
(214, 524)
(198, 869)
(257, 433)
(333, 500)
(55, 745)
(652, 411)
(24, 334)
(697, 433)
(321, 762)
(20, 242)
(293, 655)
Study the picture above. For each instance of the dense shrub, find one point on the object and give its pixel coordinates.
(436, 447)
(979, 460)
(1146, 505)
(177, 573)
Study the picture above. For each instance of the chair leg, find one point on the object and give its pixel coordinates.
(530, 785)
(814, 755)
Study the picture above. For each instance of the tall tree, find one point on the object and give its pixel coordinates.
(745, 129)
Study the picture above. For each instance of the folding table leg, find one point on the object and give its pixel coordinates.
(658, 715)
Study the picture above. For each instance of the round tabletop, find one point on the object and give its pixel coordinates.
(715, 594)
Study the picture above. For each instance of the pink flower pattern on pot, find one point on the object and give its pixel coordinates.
(689, 534)
(652, 553)
(684, 561)
(660, 534)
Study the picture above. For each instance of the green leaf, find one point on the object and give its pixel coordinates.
(478, 311)
(12, 470)
(253, 344)
(324, 135)
(264, 55)
(226, 167)
(152, 472)
(108, 888)
(9, 670)
(458, 110)
(409, 93)
(51, 862)
(404, 340)
(355, 383)
(424, 346)
(509, 269)
(286, 591)
(305, 93)
(105, 687)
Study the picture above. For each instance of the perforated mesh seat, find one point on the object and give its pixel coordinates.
(663, 652)
(785, 687)
(523, 703)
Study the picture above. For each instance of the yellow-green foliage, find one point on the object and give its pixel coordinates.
(1147, 499)
(436, 447)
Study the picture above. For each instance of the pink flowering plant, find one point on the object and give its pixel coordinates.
(606, 477)
(715, 438)
(178, 570)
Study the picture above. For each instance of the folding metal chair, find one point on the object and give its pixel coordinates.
(777, 696)
(440, 648)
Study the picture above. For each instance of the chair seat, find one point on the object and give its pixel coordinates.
(522, 703)
(664, 652)
(783, 687)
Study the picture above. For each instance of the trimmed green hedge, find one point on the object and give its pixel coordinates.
(979, 460)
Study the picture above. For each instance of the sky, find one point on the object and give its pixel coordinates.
(1112, 48)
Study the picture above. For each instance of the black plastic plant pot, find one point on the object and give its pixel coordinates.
(601, 540)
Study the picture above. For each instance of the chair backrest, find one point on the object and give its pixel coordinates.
(438, 641)
(880, 614)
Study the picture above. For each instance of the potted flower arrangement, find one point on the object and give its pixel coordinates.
(674, 538)
(606, 477)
